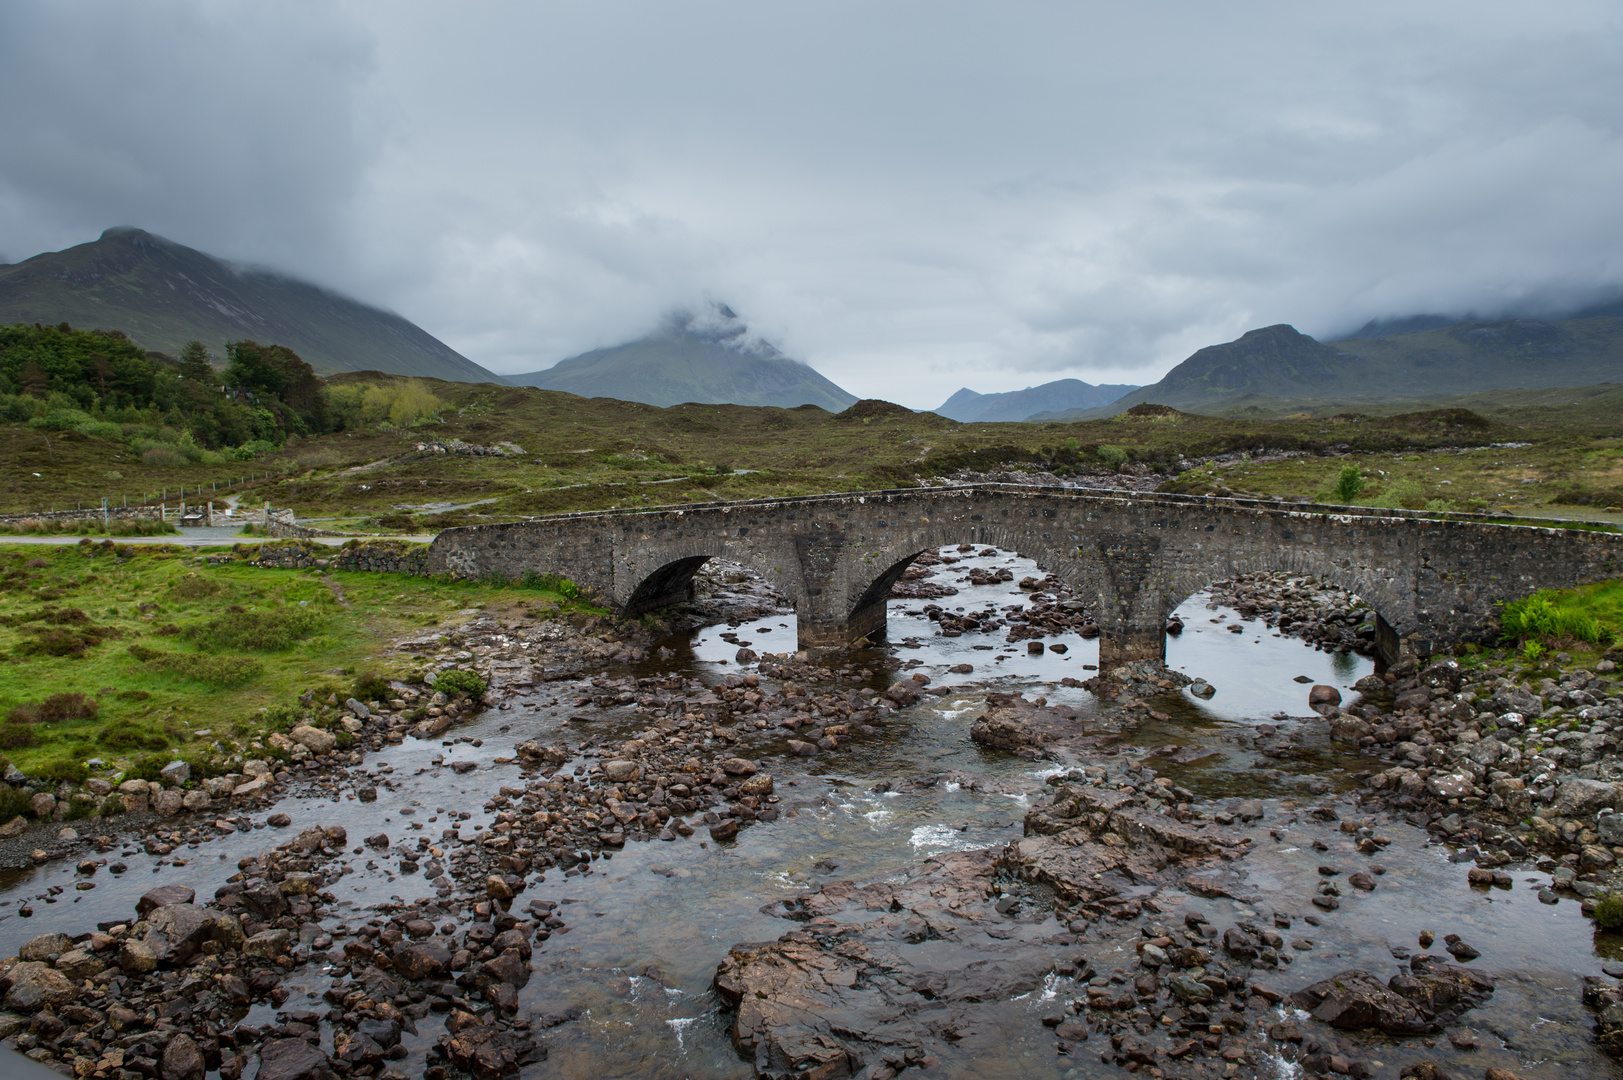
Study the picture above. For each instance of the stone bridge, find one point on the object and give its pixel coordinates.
(1133, 557)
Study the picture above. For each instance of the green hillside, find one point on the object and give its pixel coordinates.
(162, 295)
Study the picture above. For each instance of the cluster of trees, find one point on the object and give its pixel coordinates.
(101, 383)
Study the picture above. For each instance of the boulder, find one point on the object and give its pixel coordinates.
(197, 801)
(1354, 1000)
(44, 947)
(35, 986)
(176, 932)
(176, 773)
(622, 772)
(293, 1059)
(1323, 694)
(136, 958)
(269, 944)
(13, 828)
(264, 899)
(426, 961)
(43, 805)
(1580, 798)
(80, 964)
(736, 766)
(182, 1060)
(313, 739)
(168, 802)
(488, 1052)
(758, 785)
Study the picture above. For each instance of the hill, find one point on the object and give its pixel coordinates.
(1278, 364)
(164, 294)
(969, 407)
(710, 358)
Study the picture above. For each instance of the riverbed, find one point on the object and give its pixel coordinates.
(646, 926)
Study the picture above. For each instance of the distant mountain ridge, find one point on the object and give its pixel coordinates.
(1281, 364)
(163, 294)
(968, 407)
(708, 357)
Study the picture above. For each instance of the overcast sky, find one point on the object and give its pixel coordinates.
(911, 196)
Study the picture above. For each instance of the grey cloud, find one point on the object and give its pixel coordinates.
(907, 195)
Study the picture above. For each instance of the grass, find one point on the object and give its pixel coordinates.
(157, 655)
(1589, 615)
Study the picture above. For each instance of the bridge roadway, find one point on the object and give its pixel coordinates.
(1134, 557)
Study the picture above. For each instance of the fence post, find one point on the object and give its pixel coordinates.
(104, 514)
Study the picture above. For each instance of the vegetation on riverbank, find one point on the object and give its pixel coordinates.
(136, 655)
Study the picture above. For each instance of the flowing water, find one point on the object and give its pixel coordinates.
(648, 924)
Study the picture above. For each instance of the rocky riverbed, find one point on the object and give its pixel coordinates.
(652, 853)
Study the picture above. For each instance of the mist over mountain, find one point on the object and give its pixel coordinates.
(709, 357)
(1061, 394)
(163, 294)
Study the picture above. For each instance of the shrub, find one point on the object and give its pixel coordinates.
(372, 686)
(100, 429)
(12, 802)
(1609, 912)
(1111, 457)
(215, 670)
(63, 769)
(15, 736)
(192, 587)
(163, 457)
(127, 735)
(1348, 484)
(74, 706)
(460, 684)
(147, 767)
(552, 583)
(1538, 616)
(261, 631)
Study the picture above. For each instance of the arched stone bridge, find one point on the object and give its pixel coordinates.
(1134, 557)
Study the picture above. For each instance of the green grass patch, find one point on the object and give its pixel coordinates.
(187, 648)
(1589, 614)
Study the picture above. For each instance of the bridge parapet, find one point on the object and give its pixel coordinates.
(1134, 557)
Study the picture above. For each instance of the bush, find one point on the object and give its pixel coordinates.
(100, 429)
(1111, 457)
(12, 802)
(460, 684)
(215, 670)
(1348, 484)
(372, 686)
(15, 736)
(147, 767)
(163, 457)
(61, 769)
(73, 706)
(127, 735)
(552, 583)
(1537, 616)
(192, 587)
(1609, 912)
(272, 630)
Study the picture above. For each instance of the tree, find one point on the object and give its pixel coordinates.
(281, 382)
(195, 363)
(1349, 484)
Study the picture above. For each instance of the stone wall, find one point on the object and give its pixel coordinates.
(113, 513)
(1134, 557)
(375, 556)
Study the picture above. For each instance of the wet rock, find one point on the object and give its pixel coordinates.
(136, 958)
(1581, 798)
(14, 828)
(726, 829)
(1458, 949)
(758, 786)
(35, 985)
(264, 899)
(313, 739)
(182, 1060)
(490, 1053)
(77, 965)
(278, 821)
(176, 932)
(1354, 1000)
(622, 772)
(735, 766)
(44, 947)
(269, 944)
(1495, 1073)
(293, 1059)
(1323, 694)
(1424, 1070)
(427, 961)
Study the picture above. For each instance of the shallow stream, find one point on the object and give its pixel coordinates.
(647, 926)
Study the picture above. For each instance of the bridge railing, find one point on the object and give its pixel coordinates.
(1121, 495)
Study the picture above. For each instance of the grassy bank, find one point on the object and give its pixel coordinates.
(139, 654)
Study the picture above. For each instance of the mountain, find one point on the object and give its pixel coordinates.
(969, 407)
(163, 294)
(1278, 364)
(708, 358)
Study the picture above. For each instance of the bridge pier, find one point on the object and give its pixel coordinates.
(1126, 645)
